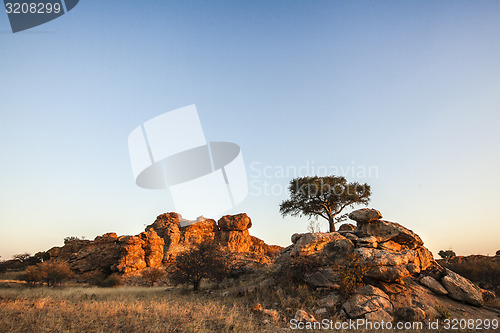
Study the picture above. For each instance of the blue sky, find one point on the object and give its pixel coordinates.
(410, 88)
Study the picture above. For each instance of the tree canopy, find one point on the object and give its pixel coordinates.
(323, 197)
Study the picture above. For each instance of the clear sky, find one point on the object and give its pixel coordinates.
(403, 95)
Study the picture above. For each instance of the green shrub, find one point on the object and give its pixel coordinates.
(443, 312)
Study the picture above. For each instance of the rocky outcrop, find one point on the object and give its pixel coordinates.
(169, 235)
(230, 231)
(110, 253)
(402, 281)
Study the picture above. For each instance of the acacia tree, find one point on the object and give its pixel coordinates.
(323, 197)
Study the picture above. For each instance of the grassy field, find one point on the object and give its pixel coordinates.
(125, 309)
(135, 309)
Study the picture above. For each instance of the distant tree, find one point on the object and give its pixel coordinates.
(73, 238)
(323, 197)
(448, 254)
(41, 256)
(205, 261)
(21, 257)
(153, 274)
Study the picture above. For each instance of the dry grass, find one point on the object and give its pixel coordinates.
(121, 310)
(156, 309)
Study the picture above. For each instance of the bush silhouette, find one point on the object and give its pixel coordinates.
(153, 274)
(294, 270)
(448, 254)
(205, 261)
(52, 272)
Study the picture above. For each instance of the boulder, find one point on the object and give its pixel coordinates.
(329, 301)
(321, 311)
(347, 227)
(153, 248)
(389, 231)
(235, 241)
(365, 215)
(433, 285)
(390, 246)
(410, 314)
(366, 300)
(370, 241)
(239, 222)
(324, 278)
(390, 266)
(461, 289)
(302, 315)
(311, 243)
(350, 236)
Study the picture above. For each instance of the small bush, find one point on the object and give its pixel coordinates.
(294, 270)
(443, 312)
(206, 261)
(52, 272)
(153, 274)
(32, 275)
(351, 275)
(113, 280)
(448, 254)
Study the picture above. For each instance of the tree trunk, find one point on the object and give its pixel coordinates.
(196, 284)
(331, 222)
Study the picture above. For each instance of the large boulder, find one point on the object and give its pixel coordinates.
(461, 289)
(235, 241)
(239, 222)
(391, 266)
(389, 231)
(433, 285)
(369, 302)
(312, 243)
(365, 215)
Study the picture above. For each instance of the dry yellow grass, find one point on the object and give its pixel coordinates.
(143, 309)
(121, 310)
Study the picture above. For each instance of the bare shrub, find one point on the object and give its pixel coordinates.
(351, 275)
(52, 272)
(153, 274)
(294, 270)
(113, 280)
(205, 261)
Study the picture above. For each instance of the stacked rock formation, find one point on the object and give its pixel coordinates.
(402, 281)
(230, 231)
(111, 253)
(169, 235)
